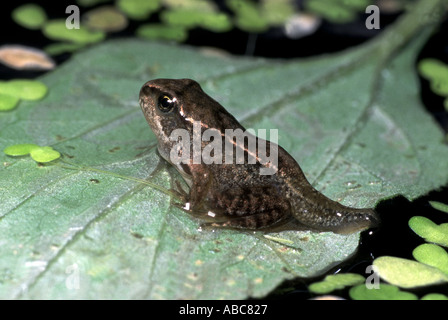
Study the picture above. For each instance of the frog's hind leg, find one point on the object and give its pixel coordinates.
(251, 208)
(256, 221)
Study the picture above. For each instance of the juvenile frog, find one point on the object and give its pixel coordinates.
(237, 195)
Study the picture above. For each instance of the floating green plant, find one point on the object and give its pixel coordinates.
(439, 206)
(339, 11)
(11, 92)
(407, 273)
(276, 12)
(335, 282)
(20, 149)
(436, 72)
(433, 255)
(433, 69)
(215, 21)
(8, 102)
(248, 16)
(29, 16)
(429, 230)
(90, 3)
(24, 89)
(138, 9)
(384, 292)
(61, 47)
(57, 30)
(105, 18)
(37, 153)
(44, 154)
(160, 31)
(434, 296)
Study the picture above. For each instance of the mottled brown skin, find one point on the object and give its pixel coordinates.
(237, 194)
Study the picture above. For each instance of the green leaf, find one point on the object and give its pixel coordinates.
(385, 292)
(217, 22)
(440, 87)
(20, 149)
(57, 30)
(62, 47)
(433, 69)
(331, 10)
(356, 4)
(248, 15)
(407, 273)
(24, 89)
(437, 73)
(277, 12)
(138, 9)
(193, 13)
(37, 153)
(44, 154)
(8, 102)
(105, 18)
(432, 255)
(429, 230)
(352, 120)
(434, 296)
(336, 282)
(30, 16)
(90, 3)
(439, 206)
(214, 21)
(154, 31)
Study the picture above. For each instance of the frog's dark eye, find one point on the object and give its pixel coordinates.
(166, 103)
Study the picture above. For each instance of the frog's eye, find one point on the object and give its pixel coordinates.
(166, 103)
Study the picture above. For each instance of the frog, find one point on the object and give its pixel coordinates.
(227, 194)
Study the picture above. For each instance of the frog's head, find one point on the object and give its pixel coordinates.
(173, 104)
(163, 102)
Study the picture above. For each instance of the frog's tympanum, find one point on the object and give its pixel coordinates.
(227, 193)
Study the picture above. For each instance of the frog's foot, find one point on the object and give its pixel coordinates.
(185, 204)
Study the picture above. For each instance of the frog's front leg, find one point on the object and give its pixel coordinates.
(194, 201)
(181, 196)
(202, 181)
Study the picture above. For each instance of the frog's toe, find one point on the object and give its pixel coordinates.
(184, 206)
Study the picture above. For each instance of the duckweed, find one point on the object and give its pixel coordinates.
(37, 153)
(29, 16)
